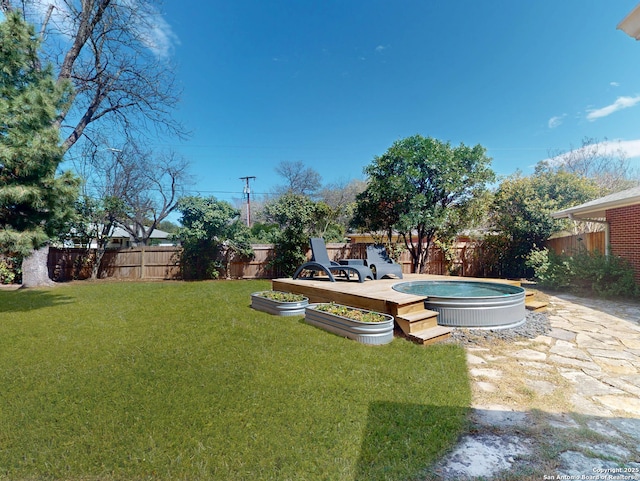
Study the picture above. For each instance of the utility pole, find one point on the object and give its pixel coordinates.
(247, 191)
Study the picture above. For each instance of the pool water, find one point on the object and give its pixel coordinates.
(456, 289)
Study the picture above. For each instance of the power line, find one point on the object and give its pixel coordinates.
(199, 191)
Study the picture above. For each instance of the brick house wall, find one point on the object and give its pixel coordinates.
(624, 224)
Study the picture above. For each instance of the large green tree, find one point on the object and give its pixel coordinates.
(211, 233)
(294, 214)
(521, 214)
(423, 188)
(35, 202)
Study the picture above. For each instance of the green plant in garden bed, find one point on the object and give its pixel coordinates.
(351, 312)
(177, 381)
(281, 296)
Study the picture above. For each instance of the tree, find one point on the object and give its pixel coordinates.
(35, 203)
(294, 214)
(115, 57)
(336, 206)
(299, 179)
(211, 233)
(96, 220)
(168, 226)
(608, 166)
(153, 185)
(521, 214)
(376, 214)
(422, 187)
(135, 186)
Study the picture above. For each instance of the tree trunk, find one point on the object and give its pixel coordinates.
(35, 272)
(97, 261)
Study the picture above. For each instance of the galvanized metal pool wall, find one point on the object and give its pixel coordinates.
(506, 309)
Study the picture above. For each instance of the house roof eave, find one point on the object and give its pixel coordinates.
(631, 23)
(597, 209)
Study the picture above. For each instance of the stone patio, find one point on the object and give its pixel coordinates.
(563, 404)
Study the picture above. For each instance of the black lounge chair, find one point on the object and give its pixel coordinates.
(320, 262)
(380, 263)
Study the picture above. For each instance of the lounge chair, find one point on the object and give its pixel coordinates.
(380, 263)
(320, 262)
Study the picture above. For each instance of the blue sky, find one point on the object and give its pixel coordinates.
(333, 83)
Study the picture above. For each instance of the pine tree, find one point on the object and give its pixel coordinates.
(35, 202)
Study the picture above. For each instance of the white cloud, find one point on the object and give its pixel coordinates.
(619, 104)
(381, 48)
(59, 16)
(629, 148)
(556, 121)
(154, 31)
(147, 23)
(614, 84)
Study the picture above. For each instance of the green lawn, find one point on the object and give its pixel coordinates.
(184, 381)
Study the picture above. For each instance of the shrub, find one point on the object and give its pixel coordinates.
(584, 272)
(290, 251)
(9, 270)
(608, 276)
(211, 234)
(503, 257)
(550, 269)
(294, 215)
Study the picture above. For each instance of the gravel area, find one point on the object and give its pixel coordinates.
(537, 324)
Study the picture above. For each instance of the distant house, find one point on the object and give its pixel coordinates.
(121, 239)
(620, 214)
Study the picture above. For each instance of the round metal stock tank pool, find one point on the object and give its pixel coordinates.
(471, 304)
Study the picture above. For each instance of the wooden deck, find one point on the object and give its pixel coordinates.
(416, 322)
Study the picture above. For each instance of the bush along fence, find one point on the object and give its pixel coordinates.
(163, 263)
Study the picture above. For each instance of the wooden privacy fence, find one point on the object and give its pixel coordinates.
(591, 241)
(150, 263)
(158, 263)
(464, 260)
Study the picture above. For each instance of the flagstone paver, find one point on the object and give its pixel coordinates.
(530, 355)
(591, 357)
(559, 333)
(473, 359)
(587, 386)
(541, 387)
(488, 373)
(569, 349)
(629, 404)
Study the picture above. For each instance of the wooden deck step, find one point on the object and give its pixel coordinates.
(410, 308)
(417, 320)
(430, 335)
(535, 306)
